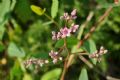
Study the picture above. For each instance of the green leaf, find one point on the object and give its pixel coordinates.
(2, 28)
(81, 29)
(54, 8)
(76, 49)
(59, 43)
(15, 71)
(52, 75)
(90, 47)
(71, 41)
(13, 4)
(47, 23)
(4, 9)
(27, 77)
(83, 74)
(38, 10)
(14, 51)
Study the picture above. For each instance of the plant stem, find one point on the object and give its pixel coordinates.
(71, 57)
(66, 61)
(52, 20)
(90, 65)
(61, 49)
(93, 28)
(64, 70)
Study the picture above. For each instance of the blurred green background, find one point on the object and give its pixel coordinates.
(24, 34)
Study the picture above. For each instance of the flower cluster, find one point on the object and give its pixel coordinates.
(65, 32)
(37, 62)
(55, 56)
(97, 54)
(67, 17)
(40, 62)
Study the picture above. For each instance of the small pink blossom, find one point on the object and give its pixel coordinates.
(55, 56)
(98, 53)
(35, 61)
(74, 27)
(65, 32)
(73, 14)
(54, 35)
(65, 16)
(55, 61)
(59, 34)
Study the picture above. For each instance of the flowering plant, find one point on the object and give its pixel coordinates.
(64, 32)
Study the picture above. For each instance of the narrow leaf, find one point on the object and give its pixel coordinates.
(83, 74)
(54, 8)
(38, 10)
(4, 9)
(90, 47)
(52, 75)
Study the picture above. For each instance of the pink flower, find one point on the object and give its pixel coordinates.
(54, 35)
(68, 17)
(65, 32)
(65, 16)
(35, 61)
(55, 56)
(73, 14)
(74, 27)
(98, 53)
(59, 35)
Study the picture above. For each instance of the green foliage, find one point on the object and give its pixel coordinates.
(83, 74)
(24, 34)
(16, 72)
(90, 47)
(52, 75)
(37, 10)
(27, 77)
(14, 51)
(54, 8)
(71, 41)
(4, 9)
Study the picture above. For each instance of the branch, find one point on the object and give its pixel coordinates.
(93, 28)
(70, 58)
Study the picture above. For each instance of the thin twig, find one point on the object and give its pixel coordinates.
(69, 59)
(52, 20)
(88, 19)
(93, 28)
(66, 61)
(90, 65)
(111, 78)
